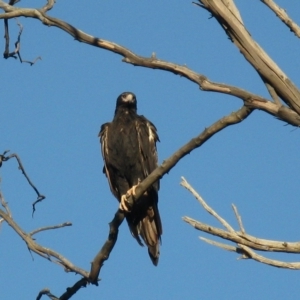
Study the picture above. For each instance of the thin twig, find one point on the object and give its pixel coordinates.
(40, 197)
(283, 16)
(271, 262)
(69, 292)
(6, 53)
(239, 218)
(186, 185)
(18, 45)
(248, 253)
(220, 245)
(245, 239)
(13, 54)
(48, 6)
(40, 250)
(49, 227)
(273, 93)
(5, 205)
(246, 243)
(47, 293)
(2, 157)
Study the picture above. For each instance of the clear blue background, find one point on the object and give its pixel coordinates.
(51, 114)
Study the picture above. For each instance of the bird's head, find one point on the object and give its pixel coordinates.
(127, 100)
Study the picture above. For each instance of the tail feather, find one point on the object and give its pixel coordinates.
(135, 233)
(145, 224)
(149, 232)
(154, 254)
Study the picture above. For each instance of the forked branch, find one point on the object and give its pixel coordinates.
(47, 253)
(245, 243)
(277, 82)
(230, 21)
(16, 51)
(105, 251)
(4, 157)
(286, 114)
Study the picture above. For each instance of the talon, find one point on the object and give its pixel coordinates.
(133, 190)
(123, 205)
(124, 202)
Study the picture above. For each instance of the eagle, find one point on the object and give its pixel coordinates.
(128, 146)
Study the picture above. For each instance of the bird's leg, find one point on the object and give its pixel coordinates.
(130, 192)
(124, 202)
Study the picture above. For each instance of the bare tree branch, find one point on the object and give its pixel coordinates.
(129, 56)
(4, 204)
(49, 227)
(220, 245)
(253, 53)
(71, 291)
(13, 54)
(103, 254)
(168, 164)
(48, 6)
(238, 217)
(273, 93)
(45, 252)
(185, 184)
(18, 46)
(40, 250)
(108, 246)
(245, 242)
(3, 158)
(283, 16)
(47, 293)
(74, 289)
(246, 239)
(6, 53)
(250, 99)
(276, 81)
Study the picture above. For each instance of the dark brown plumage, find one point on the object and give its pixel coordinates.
(128, 145)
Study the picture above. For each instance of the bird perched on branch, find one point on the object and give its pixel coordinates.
(128, 146)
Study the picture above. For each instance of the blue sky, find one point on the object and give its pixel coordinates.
(51, 114)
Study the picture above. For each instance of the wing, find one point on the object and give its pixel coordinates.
(103, 134)
(147, 138)
(149, 226)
